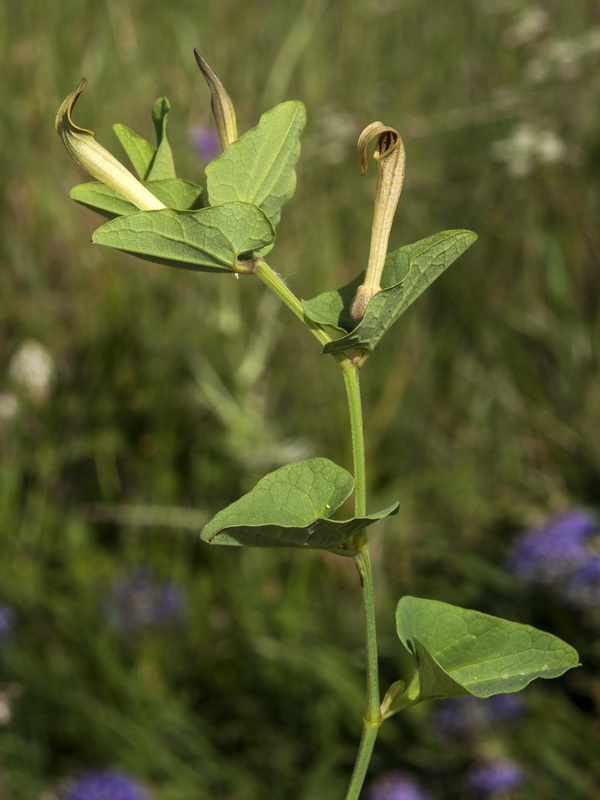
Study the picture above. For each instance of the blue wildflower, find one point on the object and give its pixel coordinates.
(505, 707)
(109, 784)
(494, 778)
(206, 143)
(7, 622)
(582, 588)
(396, 786)
(462, 717)
(547, 554)
(140, 601)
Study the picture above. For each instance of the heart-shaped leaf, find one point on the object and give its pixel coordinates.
(407, 272)
(291, 508)
(459, 652)
(174, 193)
(258, 168)
(208, 240)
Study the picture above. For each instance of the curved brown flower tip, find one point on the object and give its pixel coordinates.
(64, 121)
(221, 104)
(90, 155)
(388, 139)
(391, 163)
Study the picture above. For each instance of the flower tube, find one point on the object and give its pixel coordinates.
(391, 163)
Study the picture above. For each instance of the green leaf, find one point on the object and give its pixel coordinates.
(151, 163)
(406, 274)
(461, 652)
(162, 166)
(208, 240)
(139, 151)
(291, 508)
(174, 193)
(258, 168)
(333, 308)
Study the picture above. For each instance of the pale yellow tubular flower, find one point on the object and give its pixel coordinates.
(391, 164)
(103, 166)
(221, 103)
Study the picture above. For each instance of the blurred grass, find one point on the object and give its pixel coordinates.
(174, 391)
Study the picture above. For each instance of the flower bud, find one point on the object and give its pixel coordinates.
(101, 165)
(221, 103)
(391, 163)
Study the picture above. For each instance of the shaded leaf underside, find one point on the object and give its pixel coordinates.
(290, 507)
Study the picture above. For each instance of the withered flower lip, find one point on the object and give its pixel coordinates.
(391, 163)
(96, 160)
(221, 104)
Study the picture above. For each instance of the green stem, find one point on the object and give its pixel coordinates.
(350, 369)
(363, 758)
(269, 277)
(363, 564)
(352, 383)
(372, 719)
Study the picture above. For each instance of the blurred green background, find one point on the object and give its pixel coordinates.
(155, 397)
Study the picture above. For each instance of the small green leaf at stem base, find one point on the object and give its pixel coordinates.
(291, 507)
(459, 652)
(392, 694)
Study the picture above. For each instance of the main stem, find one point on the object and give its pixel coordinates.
(350, 369)
(372, 719)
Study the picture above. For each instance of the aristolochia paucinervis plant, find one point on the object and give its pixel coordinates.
(456, 651)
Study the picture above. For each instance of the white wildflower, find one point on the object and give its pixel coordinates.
(531, 23)
(591, 40)
(566, 55)
(32, 370)
(9, 408)
(7, 695)
(5, 710)
(527, 147)
(563, 58)
(550, 148)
